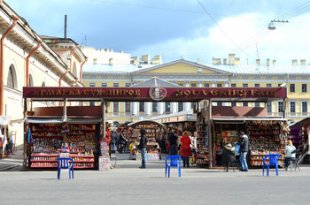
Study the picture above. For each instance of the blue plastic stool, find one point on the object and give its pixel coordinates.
(172, 161)
(65, 163)
(271, 160)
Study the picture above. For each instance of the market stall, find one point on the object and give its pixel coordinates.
(153, 134)
(50, 136)
(299, 133)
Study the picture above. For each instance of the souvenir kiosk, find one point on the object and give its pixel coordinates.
(299, 134)
(153, 132)
(219, 123)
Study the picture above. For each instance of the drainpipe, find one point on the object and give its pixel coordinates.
(5, 34)
(70, 54)
(27, 61)
(61, 77)
(81, 68)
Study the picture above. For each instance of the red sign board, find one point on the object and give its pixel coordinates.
(151, 94)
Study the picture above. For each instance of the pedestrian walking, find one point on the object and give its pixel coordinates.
(244, 148)
(142, 147)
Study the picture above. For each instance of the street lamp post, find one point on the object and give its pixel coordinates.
(272, 25)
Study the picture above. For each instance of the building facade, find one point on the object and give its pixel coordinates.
(28, 59)
(190, 74)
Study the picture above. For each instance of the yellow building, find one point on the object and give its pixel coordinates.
(191, 74)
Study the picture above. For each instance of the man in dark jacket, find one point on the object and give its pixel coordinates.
(244, 148)
(173, 141)
(142, 147)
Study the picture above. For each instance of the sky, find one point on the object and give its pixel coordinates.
(194, 30)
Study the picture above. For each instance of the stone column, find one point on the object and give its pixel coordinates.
(148, 108)
(161, 108)
(187, 105)
(134, 108)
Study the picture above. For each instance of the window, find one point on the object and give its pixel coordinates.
(245, 104)
(127, 107)
(206, 85)
(268, 85)
(219, 85)
(43, 84)
(180, 106)
(292, 107)
(269, 107)
(304, 107)
(127, 85)
(181, 84)
(193, 85)
(304, 88)
(233, 85)
(115, 85)
(11, 81)
(167, 107)
(115, 107)
(104, 85)
(154, 107)
(233, 104)
(219, 103)
(292, 88)
(257, 104)
(256, 85)
(141, 107)
(280, 107)
(245, 85)
(91, 85)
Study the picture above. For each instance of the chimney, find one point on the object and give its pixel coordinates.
(237, 61)
(145, 59)
(216, 61)
(268, 62)
(303, 62)
(231, 59)
(274, 62)
(257, 61)
(224, 61)
(294, 62)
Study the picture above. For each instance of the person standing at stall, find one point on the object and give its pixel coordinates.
(244, 148)
(142, 147)
(290, 153)
(185, 149)
(173, 142)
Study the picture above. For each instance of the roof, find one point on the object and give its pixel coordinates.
(260, 69)
(155, 82)
(107, 68)
(198, 65)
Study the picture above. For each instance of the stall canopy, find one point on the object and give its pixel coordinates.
(145, 121)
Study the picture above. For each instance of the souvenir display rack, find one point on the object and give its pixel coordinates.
(265, 137)
(152, 129)
(202, 155)
(47, 141)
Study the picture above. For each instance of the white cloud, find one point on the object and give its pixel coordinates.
(246, 35)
